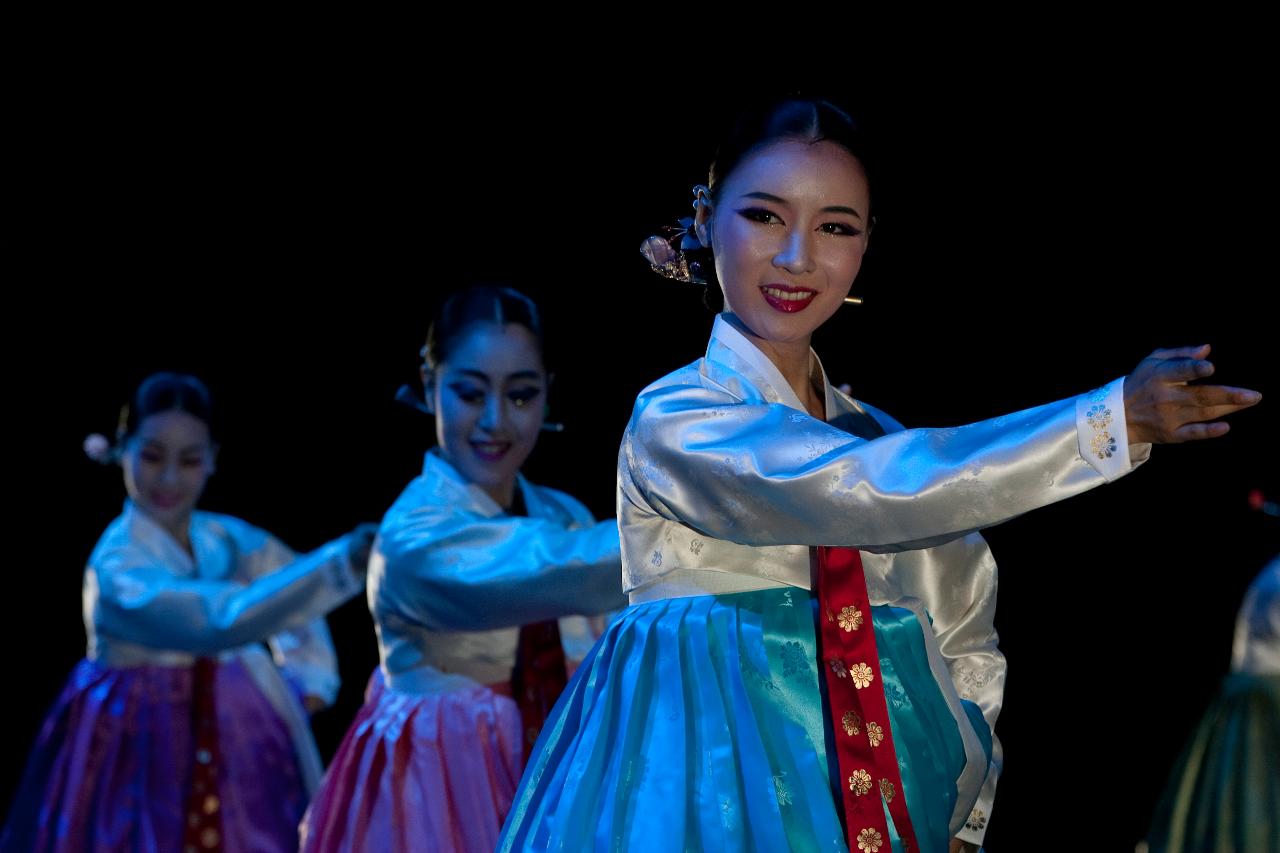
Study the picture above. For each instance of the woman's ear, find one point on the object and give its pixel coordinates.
(703, 215)
(428, 377)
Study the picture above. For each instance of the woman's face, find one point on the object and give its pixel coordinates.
(788, 232)
(167, 463)
(488, 398)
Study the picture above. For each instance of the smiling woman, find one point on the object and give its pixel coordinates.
(810, 599)
(178, 730)
(488, 396)
(474, 583)
(788, 233)
(166, 466)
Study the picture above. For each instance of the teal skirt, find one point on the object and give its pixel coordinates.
(697, 724)
(1224, 793)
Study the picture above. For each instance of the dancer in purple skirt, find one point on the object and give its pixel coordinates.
(178, 730)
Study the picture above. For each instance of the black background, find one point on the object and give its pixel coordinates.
(287, 233)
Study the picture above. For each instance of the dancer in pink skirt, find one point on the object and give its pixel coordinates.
(472, 582)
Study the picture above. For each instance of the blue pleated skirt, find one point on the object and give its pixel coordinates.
(697, 724)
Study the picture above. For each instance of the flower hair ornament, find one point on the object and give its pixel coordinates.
(100, 449)
(668, 253)
(103, 450)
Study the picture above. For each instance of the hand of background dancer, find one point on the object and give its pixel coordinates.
(958, 846)
(359, 545)
(1161, 408)
(313, 704)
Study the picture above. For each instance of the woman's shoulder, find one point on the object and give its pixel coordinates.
(439, 486)
(118, 535)
(242, 534)
(848, 406)
(557, 505)
(438, 496)
(705, 382)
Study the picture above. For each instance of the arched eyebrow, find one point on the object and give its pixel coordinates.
(484, 377)
(835, 208)
(182, 451)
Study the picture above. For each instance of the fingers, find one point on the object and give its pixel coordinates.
(1212, 407)
(1163, 403)
(1197, 432)
(1194, 412)
(1211, 396)
(1201, 351)
(1214, 413)
(1183, 369)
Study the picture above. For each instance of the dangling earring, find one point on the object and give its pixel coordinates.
(857, 300)
(548, 426)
